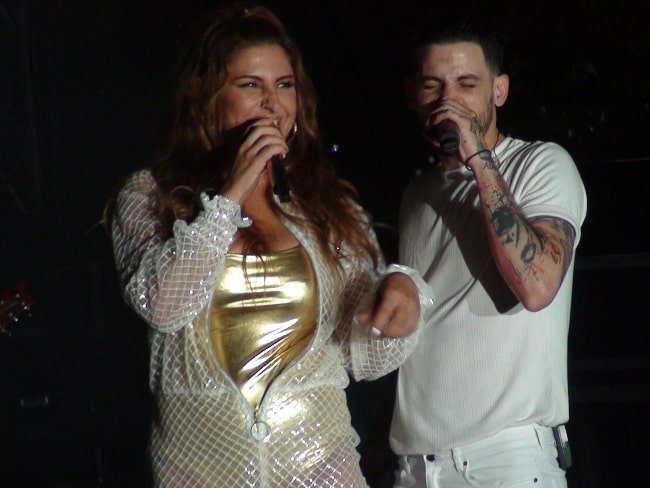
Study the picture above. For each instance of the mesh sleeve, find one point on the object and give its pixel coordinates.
(169, 282)
(366, 357)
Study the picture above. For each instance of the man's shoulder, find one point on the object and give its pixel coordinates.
(514, 143)
(519, 151)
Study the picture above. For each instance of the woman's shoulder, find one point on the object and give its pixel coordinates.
(140, 181)
(138, 190)
(358, 210)
(141, 177)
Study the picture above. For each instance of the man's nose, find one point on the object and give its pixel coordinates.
(446, 92)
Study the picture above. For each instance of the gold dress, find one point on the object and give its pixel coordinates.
(263, 316)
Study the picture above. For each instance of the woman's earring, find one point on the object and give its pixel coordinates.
(294, 131)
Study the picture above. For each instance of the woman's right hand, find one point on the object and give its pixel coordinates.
(396, 309)
(262, 140)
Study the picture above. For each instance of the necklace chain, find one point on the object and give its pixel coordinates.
(496, 143)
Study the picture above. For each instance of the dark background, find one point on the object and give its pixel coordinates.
(83, 84)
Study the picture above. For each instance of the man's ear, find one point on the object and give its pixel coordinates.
(501, 86)
(409, 93)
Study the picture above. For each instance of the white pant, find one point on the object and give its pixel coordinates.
(515, 457)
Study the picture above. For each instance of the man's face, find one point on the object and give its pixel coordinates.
(454, 71)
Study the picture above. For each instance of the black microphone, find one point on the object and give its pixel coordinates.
(447, 136)
(281, 182)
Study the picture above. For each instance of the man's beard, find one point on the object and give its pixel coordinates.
(484, 120)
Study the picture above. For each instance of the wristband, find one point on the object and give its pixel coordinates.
(475, 154)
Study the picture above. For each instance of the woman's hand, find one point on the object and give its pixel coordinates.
(262, 140)
(396, 308)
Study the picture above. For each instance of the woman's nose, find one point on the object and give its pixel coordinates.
(269, 101)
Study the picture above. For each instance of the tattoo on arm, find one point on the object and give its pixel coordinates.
(538, 244)
(508, 227)
(474, 127)
(528, 253)
(488, 162)
(562, 251)
(483, 152)
(505, 224)
(526, 243)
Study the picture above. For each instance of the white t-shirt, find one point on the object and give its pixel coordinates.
(484, 363)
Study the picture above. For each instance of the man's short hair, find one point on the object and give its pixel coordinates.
(453, 28)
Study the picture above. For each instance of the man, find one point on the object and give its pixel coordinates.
(493, 229)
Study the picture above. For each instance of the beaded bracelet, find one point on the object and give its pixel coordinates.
(475, 154)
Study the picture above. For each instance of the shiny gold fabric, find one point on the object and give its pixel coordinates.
(263, 316)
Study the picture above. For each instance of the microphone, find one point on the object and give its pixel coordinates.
(447, 136)
(281, 182)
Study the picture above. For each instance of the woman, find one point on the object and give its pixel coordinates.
(257, 307)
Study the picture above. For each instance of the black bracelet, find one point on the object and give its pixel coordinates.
(475, 154)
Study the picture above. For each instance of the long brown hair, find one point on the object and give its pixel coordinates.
(184, 165)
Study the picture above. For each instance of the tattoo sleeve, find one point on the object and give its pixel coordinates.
(532, 253)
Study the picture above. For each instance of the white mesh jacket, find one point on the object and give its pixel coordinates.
(204, 432)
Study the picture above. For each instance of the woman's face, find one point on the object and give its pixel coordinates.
(260, 83)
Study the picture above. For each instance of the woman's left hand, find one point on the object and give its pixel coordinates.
(396, 309)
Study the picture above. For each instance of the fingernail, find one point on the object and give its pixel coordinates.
(375, 333)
